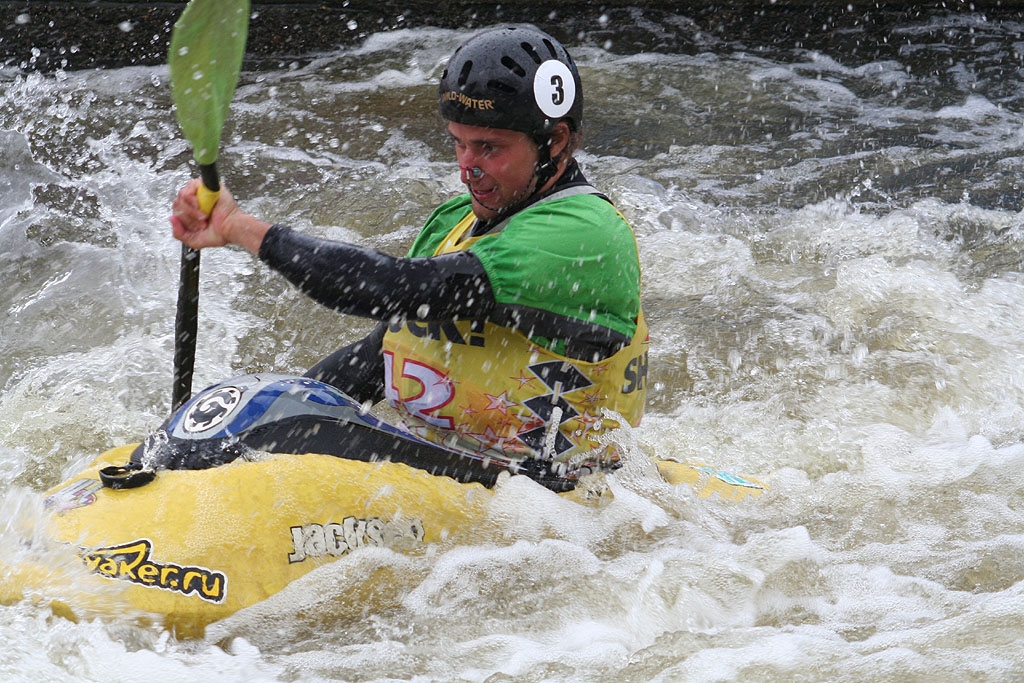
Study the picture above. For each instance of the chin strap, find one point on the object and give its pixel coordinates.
(546, 166)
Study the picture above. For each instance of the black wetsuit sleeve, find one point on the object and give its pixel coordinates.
(356, 369)
(369, 283)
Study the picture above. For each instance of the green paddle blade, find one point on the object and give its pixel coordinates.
(205, 57)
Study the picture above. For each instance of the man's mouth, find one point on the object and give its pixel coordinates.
(481, 194)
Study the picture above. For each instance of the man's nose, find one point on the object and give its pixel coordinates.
(474, 172)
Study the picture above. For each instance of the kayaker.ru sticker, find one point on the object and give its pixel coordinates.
(133, 562)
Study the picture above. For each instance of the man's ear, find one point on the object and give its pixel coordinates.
(559, 140)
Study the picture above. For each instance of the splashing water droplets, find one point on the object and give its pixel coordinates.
(735, 360)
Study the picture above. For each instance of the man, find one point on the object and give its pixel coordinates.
(515, 320)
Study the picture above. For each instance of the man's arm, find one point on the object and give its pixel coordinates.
(357, 368)
(369, 283)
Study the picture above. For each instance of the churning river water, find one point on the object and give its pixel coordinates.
(834, 279)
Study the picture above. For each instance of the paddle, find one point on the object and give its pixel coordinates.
(205, 57)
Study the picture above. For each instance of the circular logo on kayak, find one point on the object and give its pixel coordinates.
(211, 409)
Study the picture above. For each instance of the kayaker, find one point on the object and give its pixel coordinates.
(515, 319)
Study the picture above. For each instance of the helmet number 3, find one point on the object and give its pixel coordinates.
(558, 96)
(554, 89)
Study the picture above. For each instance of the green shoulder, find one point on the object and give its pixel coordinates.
(439, 224)
(575, 256)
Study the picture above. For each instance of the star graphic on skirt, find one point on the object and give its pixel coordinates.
(499, 402)
(523, 379)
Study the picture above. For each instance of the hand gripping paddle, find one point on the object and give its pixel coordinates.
(205, 58)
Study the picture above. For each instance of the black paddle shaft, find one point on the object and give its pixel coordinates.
(186, 319)
(186, 326)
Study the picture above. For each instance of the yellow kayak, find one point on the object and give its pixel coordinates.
(196, 537)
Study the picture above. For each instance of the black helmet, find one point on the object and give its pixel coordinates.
(514, 77)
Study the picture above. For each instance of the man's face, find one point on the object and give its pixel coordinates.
(506, 157)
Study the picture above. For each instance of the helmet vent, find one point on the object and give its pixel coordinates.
(513, 66)
(551, 49)
(495, 84)
(464, 74)
(530, 50)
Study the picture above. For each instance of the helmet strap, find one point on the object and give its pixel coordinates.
(546, 166)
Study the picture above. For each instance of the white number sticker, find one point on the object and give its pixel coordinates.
(554, 89)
